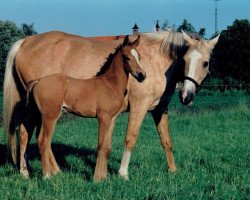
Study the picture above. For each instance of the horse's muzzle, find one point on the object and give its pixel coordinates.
(186, 98)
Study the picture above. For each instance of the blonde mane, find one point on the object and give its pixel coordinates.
(171, 42)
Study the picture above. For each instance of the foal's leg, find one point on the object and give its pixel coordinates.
(161, 121)
(136, 116)
(44, 144)
(52, 161)
(106, 125)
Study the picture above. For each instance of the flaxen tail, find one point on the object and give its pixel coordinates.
(11, 97)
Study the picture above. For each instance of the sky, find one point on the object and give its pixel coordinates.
(117, 17)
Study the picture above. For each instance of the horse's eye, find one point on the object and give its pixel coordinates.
(205, 64)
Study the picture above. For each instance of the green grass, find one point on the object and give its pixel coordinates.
(211, 148)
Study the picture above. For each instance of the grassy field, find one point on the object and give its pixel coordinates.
(211, 147)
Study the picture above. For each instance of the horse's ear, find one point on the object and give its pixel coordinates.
(187, 38)
(125, 41)
(213, 42)
(136, 42)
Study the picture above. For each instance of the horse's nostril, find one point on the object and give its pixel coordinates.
(186, 97)
(190, 96)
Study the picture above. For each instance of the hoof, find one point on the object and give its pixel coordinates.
(24, 174)
(56, 172)
(46, 176)
(172, 169)
(99, 178)
(123, 175)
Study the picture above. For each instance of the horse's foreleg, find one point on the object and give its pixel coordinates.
(106, 125)
(161, 121)
(136, 116)
(44, 144)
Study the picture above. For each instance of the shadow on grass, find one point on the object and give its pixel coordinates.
(61, 151)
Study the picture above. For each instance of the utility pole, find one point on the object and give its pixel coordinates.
(216, 17)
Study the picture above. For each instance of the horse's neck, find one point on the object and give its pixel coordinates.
(116, 75)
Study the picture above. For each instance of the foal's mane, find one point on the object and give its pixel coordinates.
(171, 42)
(108, 62)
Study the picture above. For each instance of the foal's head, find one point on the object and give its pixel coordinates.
(131, 59)
(196, 65)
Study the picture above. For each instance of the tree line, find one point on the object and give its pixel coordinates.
(230, 61)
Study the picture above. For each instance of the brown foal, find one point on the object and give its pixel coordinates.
(101, 97)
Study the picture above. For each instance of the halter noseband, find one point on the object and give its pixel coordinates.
(192, 80)
(197, 85)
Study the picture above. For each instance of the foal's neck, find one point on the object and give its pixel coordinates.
(116, 75)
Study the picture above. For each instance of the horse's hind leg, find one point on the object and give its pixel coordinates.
(106, 125)
(23, 145)
(26, 129)
(136, 116)
(161, 121)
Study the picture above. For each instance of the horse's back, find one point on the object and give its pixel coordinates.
(58, 52)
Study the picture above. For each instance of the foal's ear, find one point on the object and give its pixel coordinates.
(125, 41)
(136, 42)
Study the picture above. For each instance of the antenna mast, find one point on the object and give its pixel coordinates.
(216, 17)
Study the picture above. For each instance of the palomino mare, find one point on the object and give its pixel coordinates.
(165, 57)
(101, 97)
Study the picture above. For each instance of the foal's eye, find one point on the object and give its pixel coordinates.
(205, 64)
(125, 58)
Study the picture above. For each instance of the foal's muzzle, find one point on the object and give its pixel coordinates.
(140, 76)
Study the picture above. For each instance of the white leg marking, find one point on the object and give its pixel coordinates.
(123, 171)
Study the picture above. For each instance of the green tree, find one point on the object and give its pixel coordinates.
(28, 29)
(186, 26)
(232, 53)
(10, 33)
(202, 32)
(165, 25)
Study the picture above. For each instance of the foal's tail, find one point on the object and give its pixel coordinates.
(11, 98)
(28, 91)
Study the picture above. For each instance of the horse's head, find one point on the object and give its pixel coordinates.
(196, 66)
(131, 59)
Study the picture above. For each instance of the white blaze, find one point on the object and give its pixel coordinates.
(135, 54)
(194, 58)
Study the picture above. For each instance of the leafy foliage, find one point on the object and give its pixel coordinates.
(28, 29)
(232, 53)
(186, 26)
(10, 33)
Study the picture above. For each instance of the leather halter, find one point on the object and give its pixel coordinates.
(197, 85)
